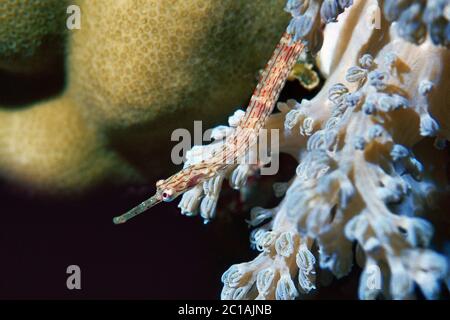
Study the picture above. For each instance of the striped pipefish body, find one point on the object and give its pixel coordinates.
(236, 145)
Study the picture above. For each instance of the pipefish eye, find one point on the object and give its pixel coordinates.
(167, 195)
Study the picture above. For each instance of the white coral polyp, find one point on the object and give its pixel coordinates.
(358, 179)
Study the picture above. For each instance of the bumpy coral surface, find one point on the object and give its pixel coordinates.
(31, 34)
(163, 57)
(51, 144)
(136, 70)
(367, 178)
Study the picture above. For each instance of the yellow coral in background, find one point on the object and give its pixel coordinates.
(31, 34)
(136, 70)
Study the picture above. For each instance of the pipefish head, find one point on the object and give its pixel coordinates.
(166, 191)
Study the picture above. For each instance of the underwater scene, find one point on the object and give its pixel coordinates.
(225, 150)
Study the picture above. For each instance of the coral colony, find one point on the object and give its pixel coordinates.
(360, 192)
